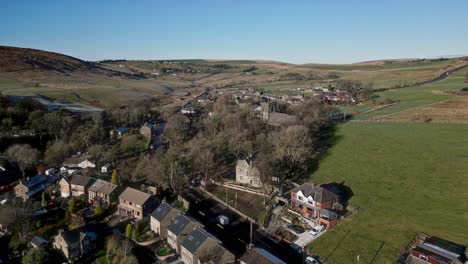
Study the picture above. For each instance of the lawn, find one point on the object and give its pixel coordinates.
(248, 203)
(406, 178)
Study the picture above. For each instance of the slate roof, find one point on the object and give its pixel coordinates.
(79, 180)
(277, 119)
(36, 180)
(260, 256)
(194, 241)
(73, 235)
(328, 214)
(39, 241)
(442, 249)
(179, 223)
(318, 193)
(134, 196)
(74, 160)
(101, 186)
(162, 211)
(446, 245)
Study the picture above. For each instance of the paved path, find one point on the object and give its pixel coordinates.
(306, 238)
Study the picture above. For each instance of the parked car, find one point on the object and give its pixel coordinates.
(317, 229)
(222, 219)
(311, 260)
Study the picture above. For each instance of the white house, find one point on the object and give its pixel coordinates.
(106, 168)
(86, 164)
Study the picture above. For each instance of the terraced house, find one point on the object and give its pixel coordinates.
(202, 247)
(179, 229)
(161, 218)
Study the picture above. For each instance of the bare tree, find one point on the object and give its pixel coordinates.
(292, 149)
(17, 215)
(126, 245)
(56, 152)
(203, 159)
(266, 170)
(24, 155)
(177, 129)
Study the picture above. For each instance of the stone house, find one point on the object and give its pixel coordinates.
(247, 173)
(199, 244)
(179, 229)
(77, 242)
(161, 217)
(101, 193)
(74, 186)
(135, 204)
(32, 188)
(273, 118)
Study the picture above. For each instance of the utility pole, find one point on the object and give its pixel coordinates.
(235, 202)
(250, 245)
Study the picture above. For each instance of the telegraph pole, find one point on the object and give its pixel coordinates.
(235, 202)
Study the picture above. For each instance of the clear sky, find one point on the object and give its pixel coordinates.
(339, 31)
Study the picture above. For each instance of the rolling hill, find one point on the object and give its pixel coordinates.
(112, 82)
(21, 60)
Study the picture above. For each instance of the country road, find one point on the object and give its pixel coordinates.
(441, 77)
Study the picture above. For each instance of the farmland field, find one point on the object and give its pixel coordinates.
(418, 99)
(406, 178)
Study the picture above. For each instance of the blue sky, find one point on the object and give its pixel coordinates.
(340, 31)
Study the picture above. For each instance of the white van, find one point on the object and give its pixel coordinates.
(317, 229)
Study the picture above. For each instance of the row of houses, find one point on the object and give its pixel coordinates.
(187, 237)
(132, 203)
(194, 244)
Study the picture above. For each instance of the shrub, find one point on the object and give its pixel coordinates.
(162, 251)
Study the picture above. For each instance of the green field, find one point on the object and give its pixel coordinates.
(413, 97)
(406, 178)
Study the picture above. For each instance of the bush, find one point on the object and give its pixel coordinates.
(163, 251)
(38, 223)
(98, 211)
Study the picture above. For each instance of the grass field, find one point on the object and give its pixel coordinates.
(413, 97)
(406, 178)
(248, 203)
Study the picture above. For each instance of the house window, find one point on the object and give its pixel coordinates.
(138, 213)
(130, 203)
(423, 257)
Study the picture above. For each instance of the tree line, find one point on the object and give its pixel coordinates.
(209, 145)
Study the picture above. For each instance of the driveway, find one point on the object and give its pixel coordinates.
(114, 220)
(306, 238)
